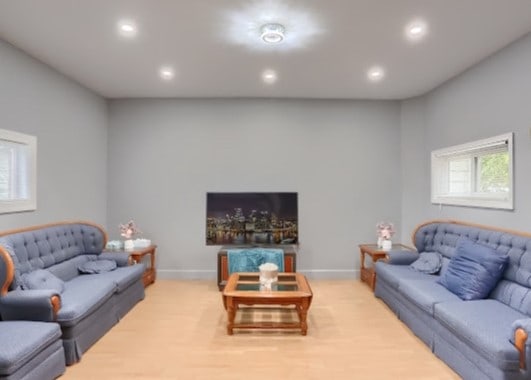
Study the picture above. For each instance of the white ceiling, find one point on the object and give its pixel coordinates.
(199, 38)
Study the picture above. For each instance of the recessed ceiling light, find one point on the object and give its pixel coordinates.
(166, 73)
(127, 28)
(272, 33)
(376, 74)
(416, 30)
(269, 76)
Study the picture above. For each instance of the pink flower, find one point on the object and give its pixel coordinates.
(129, 229)
(385, 230)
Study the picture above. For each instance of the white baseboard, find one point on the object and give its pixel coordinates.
(199, 274)
(331, 274)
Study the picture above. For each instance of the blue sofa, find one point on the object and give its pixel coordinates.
(479, 339)
(41, 280)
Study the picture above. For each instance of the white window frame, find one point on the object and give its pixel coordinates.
(439, 174)
(29, 202)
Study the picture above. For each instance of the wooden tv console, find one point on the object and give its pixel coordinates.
(290, 261)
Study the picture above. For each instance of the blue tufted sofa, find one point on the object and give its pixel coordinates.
(88, 305)
(479, 339)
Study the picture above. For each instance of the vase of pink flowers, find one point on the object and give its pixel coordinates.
(128, 231)
(385, 232)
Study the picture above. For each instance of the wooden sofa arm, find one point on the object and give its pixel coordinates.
(520, 338)
(7, 271)
(56, 305)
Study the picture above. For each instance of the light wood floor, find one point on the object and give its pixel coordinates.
(178, 332)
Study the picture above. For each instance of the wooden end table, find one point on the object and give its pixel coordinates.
(146, 256)
(367, 274)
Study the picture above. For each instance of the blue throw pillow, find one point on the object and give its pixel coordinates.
(97, 266)
(42, 279)
(428, 262)
(473, 271)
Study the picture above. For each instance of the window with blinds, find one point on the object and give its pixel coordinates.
(476, 174)
(17, 172)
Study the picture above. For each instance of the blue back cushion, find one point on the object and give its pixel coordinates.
(97, 266)
(473, 271)
(42, 279)
(428, 262)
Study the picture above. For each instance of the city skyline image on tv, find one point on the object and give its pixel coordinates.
(252, 218)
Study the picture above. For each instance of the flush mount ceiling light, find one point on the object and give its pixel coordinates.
(416, 30)
(166, 73)
(272, 33)
(267, 25)
(127, 28)
(269, 76)
(376, 74)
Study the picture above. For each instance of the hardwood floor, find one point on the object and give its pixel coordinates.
(178, 332)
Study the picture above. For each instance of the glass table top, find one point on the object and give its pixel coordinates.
(251, 282)
(275, 287)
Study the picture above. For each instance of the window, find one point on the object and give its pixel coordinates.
(18, 172)
(477, 174)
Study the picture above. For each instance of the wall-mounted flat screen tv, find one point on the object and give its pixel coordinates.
(251, 218)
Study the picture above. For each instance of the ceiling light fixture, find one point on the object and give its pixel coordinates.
(376, 74)
(127, 28)
(269, 76)
(166, 73)
(271, 25)
(272, 33)
(416, 30)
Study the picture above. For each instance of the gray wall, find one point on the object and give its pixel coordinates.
(70, 123)
(415, 190)
(342, 157)
(490, 99)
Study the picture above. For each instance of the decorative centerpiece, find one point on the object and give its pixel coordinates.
(128, 231)
(268, 276)
(385, 232)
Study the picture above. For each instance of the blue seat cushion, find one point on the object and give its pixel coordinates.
(474, 270)
(122, 277)
(81, 297)
(484, 325)
(22, 340)
(425, 294)
(393, 274)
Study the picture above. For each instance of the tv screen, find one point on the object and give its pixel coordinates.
(251, 218)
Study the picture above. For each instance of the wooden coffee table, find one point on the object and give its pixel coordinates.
(244, 289)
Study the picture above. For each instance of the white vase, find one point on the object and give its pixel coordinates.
(380, 241)
(387, 245)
